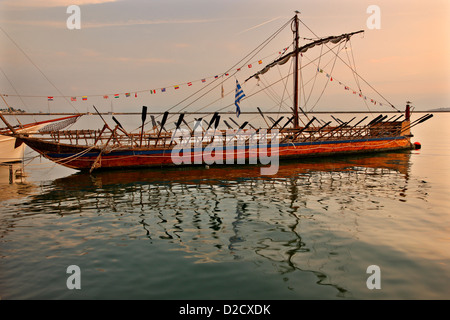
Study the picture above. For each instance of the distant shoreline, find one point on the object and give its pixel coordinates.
(199, 113)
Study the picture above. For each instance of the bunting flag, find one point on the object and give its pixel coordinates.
(237, 98)
(154, 91)
(360, 94)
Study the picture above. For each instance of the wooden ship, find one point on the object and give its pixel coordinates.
(296, 136)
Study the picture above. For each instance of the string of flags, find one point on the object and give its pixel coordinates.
(360, 94)
(204, 80)
(165, 89)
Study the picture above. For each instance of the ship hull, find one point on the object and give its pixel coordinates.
(87, 158)
(10, 150)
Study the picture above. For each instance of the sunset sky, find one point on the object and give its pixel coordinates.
(134, 46)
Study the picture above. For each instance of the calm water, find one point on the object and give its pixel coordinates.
(309, 232)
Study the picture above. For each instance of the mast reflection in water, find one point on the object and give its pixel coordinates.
(311, 217)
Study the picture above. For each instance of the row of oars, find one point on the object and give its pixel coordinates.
(324, 132)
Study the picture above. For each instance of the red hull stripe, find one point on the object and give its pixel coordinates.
(167, 151)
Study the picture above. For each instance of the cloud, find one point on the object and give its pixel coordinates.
(50, 3)
(37, 23)
(142, 22)
(259, 25)
(89, 25)
(92, 55)
(181, 45)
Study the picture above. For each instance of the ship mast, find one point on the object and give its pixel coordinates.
(296, 50)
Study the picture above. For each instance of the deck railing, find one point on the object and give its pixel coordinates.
(154, 139)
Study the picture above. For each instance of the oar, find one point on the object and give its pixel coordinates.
(287, 123)
(198, 122)
(335, 130)
(120, 126)
(372, 122)
(212, 120)
(233, 121)
(354, 126)
(422, 117)
(240, 128)
(117, 122)
(113, 131)
(163, 122)
(122, 129)
(216, 124)
(320, 121)
(154, 124)
(262, 115)
(238, 123)
(187, 125)
(177, 126)
(337, 120)
(273, 125)
(390, 128)
(312, 133)
(276, 123)
(143, 117)
(418, 121)
(398, 118)
(273, 121)
(227, 124)
(106, 124)
(301, 130)
(375, 120)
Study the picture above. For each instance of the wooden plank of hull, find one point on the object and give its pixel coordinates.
(82, 157)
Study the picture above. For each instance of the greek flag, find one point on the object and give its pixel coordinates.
(237, 98)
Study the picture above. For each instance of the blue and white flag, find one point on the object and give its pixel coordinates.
(237, 98)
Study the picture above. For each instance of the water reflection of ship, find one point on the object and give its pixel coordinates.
(12, 181)
(220, 215)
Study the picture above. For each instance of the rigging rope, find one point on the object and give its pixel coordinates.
(241, 63)
(326, 84)
(356, 72)
(39, 69)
